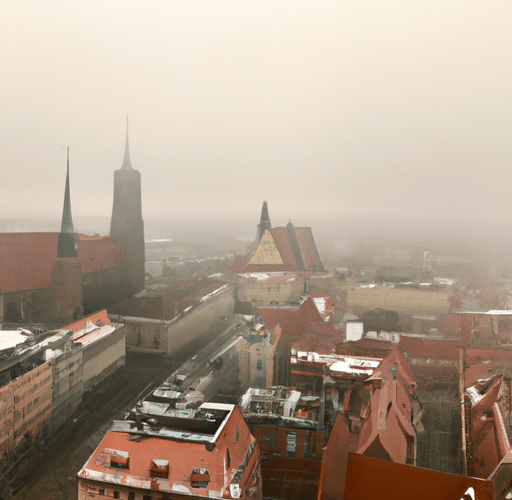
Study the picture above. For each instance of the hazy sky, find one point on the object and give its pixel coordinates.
(395, 108)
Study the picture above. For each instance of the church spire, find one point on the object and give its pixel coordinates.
(264, 221)
(67, 221)
(67, 245)
(127, 164)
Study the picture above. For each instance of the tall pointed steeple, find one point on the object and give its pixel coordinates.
(127, 164)
(67, 245)
(264, 222)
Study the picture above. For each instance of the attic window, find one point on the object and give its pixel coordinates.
(199, 478)
(120, 459)
(159, 468)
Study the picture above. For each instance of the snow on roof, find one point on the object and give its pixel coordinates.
(344, 366)
(88, 337)
(320, 304)
(492, 312)
(10, 339)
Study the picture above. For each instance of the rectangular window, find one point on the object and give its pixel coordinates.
(159, 468)
(120, 459)
(131, 495)
(306, 445)
(102, 491)
(270, 438)
(291, 445)
(116, 494)
(146, 497)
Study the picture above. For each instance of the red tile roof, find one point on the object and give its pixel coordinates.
(297, 321)
(282, 240)
(93, 318)
(26, 259)
(390, 481)
(97, 253)
(307, 244)
(180, 445)
(297, 249)
(376, 422)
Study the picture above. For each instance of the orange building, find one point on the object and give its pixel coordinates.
(25, 399)
(172, 453)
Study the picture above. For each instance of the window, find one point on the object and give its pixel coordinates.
(306, 445)
(270, 438)
(199, 478)
(228, 459)
(120, 459)
(116, 494)
(131, 495)
(146, 497)
(159, 468)
(102, 491)
(291, 444)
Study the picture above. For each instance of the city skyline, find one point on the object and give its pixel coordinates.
(398, 111)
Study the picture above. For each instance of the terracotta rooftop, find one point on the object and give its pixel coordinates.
(185, 453)
(286, 249)
(26, 259)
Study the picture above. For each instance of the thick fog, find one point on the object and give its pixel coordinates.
(325, 109)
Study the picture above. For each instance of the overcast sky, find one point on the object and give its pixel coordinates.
(392, 108)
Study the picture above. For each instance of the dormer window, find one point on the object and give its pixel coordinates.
(120, 459)
(159, 468)
(199, 478)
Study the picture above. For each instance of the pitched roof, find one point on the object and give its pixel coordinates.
(92, 328)
(97, 253)
(178, 441)
(286, 249)
(26, 259)
(300, 320)
(79, 325)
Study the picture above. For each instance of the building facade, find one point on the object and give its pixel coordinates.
(169, 453)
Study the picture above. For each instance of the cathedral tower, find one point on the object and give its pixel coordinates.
(62, 301)
(127, 226)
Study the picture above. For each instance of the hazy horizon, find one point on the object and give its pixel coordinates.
(332, 234)
(331, 110)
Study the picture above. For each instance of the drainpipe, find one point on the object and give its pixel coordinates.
(462, 391)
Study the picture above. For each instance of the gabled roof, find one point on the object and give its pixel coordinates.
(299, 320)
(26, 259)
(97, 253)
(393, 480)
(206, 452)
(92, 328)
(286, 249)
(95, 319)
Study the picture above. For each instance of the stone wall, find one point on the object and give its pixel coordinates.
(168, 337)
(401, 300)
